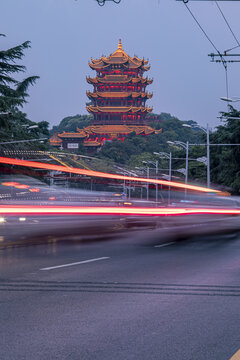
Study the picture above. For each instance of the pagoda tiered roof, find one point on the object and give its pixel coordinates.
(92, 143)
(118, 109)
(118, 79)
(119, 58)
(113, 130)
(119, 95)
(79, 134)
(55, 140)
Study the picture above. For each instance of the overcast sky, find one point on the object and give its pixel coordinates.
(65, 34)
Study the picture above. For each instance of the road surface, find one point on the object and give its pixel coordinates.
(121, 299)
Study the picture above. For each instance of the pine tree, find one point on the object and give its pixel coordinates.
(13, 93)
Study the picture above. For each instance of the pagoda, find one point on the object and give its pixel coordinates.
(117, 102)
(119, 94)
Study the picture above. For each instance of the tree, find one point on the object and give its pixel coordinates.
(135, 146)
(13, 93)
(71, 123)
(225, 162)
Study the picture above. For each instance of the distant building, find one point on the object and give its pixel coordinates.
(117, 102)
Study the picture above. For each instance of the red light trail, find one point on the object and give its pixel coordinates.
(109, 210)
(40, 165)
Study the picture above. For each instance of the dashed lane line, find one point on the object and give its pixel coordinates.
(75, 263)
(162, 245)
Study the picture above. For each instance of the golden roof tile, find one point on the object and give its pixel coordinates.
(91, 143)
(119, 57)
(80, 134)
(113, 130)
(118, 109)
(55, 140)
(118, 95)
(118, 79)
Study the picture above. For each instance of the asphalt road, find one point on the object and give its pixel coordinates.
(121, 299)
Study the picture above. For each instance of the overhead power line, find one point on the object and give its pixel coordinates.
(231, 58)
(204, 32)
(228, 27)
(221, 58)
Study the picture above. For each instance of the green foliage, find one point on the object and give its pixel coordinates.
(14, 124)
(12, 91)
(225, 162)
(135, 149)
(71, 123)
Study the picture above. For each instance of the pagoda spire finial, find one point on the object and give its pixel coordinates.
(120, 44)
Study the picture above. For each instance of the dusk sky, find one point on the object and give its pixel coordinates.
(65, 34)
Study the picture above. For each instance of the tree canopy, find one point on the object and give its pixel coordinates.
(225, 163)
(14, 124)
(71, 123)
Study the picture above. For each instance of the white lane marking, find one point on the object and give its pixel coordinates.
(162, 245)
(75, 263)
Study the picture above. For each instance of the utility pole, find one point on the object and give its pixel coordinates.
(156, 179)
(208, 158)
(187, 149)
(148, 183)
(218, 58)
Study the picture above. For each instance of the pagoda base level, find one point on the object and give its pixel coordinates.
(93, 137)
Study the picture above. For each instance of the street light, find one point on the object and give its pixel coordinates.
(129, 173)
(206, 130)
(230, 100)
(235, 99)
(169, 157)
(145, 162)
(33, 127)
(155, 163)
(186, 147)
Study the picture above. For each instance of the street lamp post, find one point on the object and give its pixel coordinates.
(148, 183)
(186, 147)
(156, 167)
(208, 158)
(206, 130)
(235, 99)
(129, 173)
(167, 156)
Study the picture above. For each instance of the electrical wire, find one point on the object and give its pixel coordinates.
(228, 25)
(223, 61)
(204, 32)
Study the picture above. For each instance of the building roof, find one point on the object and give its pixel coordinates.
(118, 109)
(119, 57)
(79, 134)
(91, 143)
(118, 79)
(113, 130)
(55, 140)
(119, 95)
